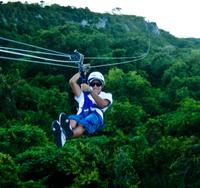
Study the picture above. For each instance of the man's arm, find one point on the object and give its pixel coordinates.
(74, 85)
(102, 103)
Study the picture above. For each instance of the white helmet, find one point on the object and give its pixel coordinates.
(96, 76)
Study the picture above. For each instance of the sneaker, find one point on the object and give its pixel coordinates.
(64, 123)
(63, 118)
(58, 133)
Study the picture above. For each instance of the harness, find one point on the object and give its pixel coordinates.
(88, 106)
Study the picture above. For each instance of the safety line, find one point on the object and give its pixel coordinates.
(134, 58)
(113, 58)
(33, 46)
(119, 63)
(126, 57)
(36, 52)
(38, 62)
(37, 57)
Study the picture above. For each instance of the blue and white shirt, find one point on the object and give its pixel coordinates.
(85, 100)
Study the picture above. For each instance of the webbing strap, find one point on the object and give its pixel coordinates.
(88, 105)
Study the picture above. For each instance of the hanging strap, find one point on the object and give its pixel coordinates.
(88, 105)
(87, 102)
(79, 58)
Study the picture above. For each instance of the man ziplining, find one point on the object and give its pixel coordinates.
(92, 104)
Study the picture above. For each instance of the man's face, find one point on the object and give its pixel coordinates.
(96, 86)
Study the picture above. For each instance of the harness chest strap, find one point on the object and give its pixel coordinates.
(88, 105)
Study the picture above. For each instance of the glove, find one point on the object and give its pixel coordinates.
(86, 88)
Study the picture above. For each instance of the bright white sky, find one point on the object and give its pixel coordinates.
(179, 17)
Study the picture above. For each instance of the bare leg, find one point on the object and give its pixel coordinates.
(78, 131)
(73, 124)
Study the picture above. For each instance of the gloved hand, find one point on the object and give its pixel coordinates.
(85, 87)
(86, 68)
(83, 72)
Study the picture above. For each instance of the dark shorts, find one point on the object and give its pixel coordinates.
(92, 122)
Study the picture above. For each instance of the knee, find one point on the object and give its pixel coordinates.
(73, 124)
(79, 130)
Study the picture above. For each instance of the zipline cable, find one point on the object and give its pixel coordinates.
(119, 63)
(134, 58)
(38, 62)
(33, 46)
(126, 57)
(36, 52)
(12, 51)
(37, 57)
(70, 56)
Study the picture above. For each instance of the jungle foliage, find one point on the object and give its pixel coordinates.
(152, 134)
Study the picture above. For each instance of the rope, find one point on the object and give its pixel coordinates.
(33, 46)
(36, 52)
(119, 63)
(37, 57)
(112, 58)
(17, 51)
(134, 58)
(38, 62)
